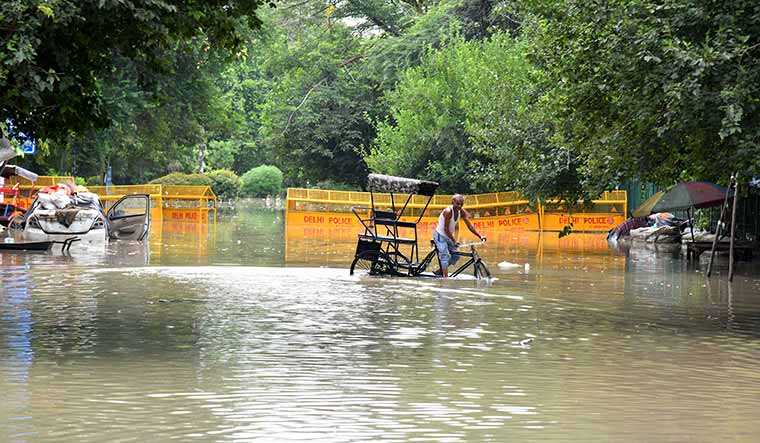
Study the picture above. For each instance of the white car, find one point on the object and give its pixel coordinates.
(127, 219)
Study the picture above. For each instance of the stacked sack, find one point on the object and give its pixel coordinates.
(55, 197)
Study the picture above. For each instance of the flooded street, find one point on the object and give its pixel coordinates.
(252, 332)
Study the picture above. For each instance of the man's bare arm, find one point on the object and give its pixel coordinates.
(466, 217)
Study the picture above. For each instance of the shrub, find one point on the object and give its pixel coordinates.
(262, 180)
(336, 186)
(94, 180)
(225, 183)
(179, 178)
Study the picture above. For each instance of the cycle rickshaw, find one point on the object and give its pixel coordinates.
(389, 245)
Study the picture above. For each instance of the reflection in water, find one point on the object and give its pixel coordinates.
(590, 344)
(16, 353)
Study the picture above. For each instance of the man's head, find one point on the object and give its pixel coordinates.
(457, 200)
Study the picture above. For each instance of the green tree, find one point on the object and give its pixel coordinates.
(53, 54)
(509, 120)
(473, 116)
(221, 154)
(180, 179)
(326, 79)
(426, 136)
(657, 91)
(152, 127)
(313, 119)
(262, 180)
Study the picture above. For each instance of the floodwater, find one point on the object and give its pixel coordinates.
(251, 332)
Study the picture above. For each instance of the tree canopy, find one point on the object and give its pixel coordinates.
(546, 97)
(55, 54)
(659, 91)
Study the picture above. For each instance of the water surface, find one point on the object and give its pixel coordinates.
(253, 332)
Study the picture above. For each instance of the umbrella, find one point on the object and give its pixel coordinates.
(645, 208)
(683, 196)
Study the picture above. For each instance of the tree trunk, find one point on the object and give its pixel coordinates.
(202, 157)
(202, 151)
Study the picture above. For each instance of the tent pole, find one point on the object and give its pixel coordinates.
(733, 231)
(691, 223)
(723, 208)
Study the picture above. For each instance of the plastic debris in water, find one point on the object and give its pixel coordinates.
(507, 265)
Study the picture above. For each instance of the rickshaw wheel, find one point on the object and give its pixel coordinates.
(481, 270)
(400, 263)
(374, 263)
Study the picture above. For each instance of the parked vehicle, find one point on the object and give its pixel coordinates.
(51, 218)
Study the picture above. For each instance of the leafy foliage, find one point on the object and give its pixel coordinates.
(221, 154)
(54, 54)
(225, 183)
(338, 186)
(547, 97)
(262, 180)
(661, 91)
(509, 120)
(471, 117)
(148, 131)
(179, 178)
(313, 119)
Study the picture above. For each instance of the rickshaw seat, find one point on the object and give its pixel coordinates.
(388, 238)
(399, 223)
(384, 215)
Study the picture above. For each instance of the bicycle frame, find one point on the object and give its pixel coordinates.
(472, 259)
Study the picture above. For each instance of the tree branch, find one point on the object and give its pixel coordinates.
(290, 117)
(344, 64)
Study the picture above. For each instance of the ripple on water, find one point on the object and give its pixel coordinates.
(285, 354)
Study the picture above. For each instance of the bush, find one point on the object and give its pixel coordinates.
(94, 180)
(262, 180)
(336, 186)
(225, 183)
(180, 178)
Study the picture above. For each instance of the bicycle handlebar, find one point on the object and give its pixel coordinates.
(475, 243)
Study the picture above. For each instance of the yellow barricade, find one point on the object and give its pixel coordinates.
(598, 215)
(493, 211)
(190, 204)
(42, 181)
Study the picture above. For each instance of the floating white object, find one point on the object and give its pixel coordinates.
(507, 265)
(527, 266)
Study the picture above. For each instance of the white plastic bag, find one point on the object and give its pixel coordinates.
(60, 199)
(45, 201)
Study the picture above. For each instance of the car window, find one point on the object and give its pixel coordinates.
(129, 206)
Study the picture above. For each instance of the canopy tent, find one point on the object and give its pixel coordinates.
(683, 196)
(400, 185)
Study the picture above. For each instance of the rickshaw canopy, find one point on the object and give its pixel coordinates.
(8, 171)
(400, 185)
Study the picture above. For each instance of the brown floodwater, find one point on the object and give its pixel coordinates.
(249, 331)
